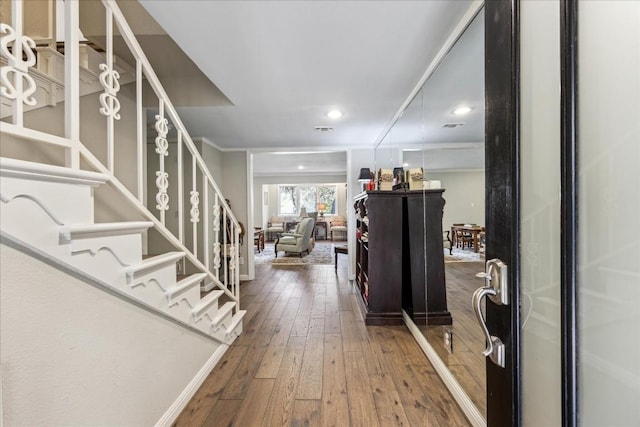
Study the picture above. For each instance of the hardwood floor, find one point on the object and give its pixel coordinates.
(306, 358)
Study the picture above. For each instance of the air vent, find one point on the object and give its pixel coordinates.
(452, 125)
(323, 128)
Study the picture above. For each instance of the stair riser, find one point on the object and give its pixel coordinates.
(68, 203)
(191, 296)
(27, 221)
(127, 247)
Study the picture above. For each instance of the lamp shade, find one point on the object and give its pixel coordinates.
(365, 175)
(322, 206)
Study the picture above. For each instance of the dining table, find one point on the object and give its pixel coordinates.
(471, 229)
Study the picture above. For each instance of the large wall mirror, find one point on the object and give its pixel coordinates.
(448, 146)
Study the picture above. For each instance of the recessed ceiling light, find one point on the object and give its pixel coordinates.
(300, 167)
(461, 111)
(405, 165)
(334, 114)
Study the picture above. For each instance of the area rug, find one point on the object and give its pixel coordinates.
(322, 253)
(460, 255)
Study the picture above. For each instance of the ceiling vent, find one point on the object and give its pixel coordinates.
(323, 128)
(452, 125)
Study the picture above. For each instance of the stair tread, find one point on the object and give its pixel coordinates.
(75, 231)
(184, 283)
(153, 262)
(160, 259)
(237, 318)
(206, 302)
(223, 312)
(44, 172)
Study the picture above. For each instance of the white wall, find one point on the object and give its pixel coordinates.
(464, 197)
(234, 186)
(72, 354)
(213, 158)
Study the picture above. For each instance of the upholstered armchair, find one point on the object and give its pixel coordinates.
(274, 226)
(298, 241)
(338, 225)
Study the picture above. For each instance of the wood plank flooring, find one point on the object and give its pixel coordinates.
(306, 358)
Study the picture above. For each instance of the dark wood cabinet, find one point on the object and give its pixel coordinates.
(391, 239)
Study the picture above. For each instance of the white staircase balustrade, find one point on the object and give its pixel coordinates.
(51, 207)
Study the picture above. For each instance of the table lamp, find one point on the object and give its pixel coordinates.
(321, 208)
(366, 178)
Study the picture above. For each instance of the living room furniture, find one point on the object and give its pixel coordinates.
(467, 235)
(342, 249)
(395, 235)
(258, 239)
(379, 261)
(446, 242)
(275, 227)
(298, 241)
(321, 230)
(338, 225)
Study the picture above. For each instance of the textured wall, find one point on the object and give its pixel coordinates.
(72, 354)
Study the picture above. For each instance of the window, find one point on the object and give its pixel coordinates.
(293, 197)
(288, 200)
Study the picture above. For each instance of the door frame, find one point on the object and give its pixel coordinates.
(502, 204)
(569, 209)
(502, 85)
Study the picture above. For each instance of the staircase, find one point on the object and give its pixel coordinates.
(55, 180)
(51, 208)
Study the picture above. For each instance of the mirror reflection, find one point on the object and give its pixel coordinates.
(440, 138)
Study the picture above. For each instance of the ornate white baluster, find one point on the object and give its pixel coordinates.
(15, 81)
(109, 79)
(205, 227)
(162, 177)
(232, 264)
(195, 218)
(216, 238)
(195, 211)
(109, 99)
(194, 208)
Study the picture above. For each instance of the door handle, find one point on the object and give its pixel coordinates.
(495, 347)
(496, 289)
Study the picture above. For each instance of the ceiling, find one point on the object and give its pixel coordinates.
(300, 163)
(284, 64)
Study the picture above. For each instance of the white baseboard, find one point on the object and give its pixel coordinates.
(470, 411)
(176, 408)
(246, 278)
